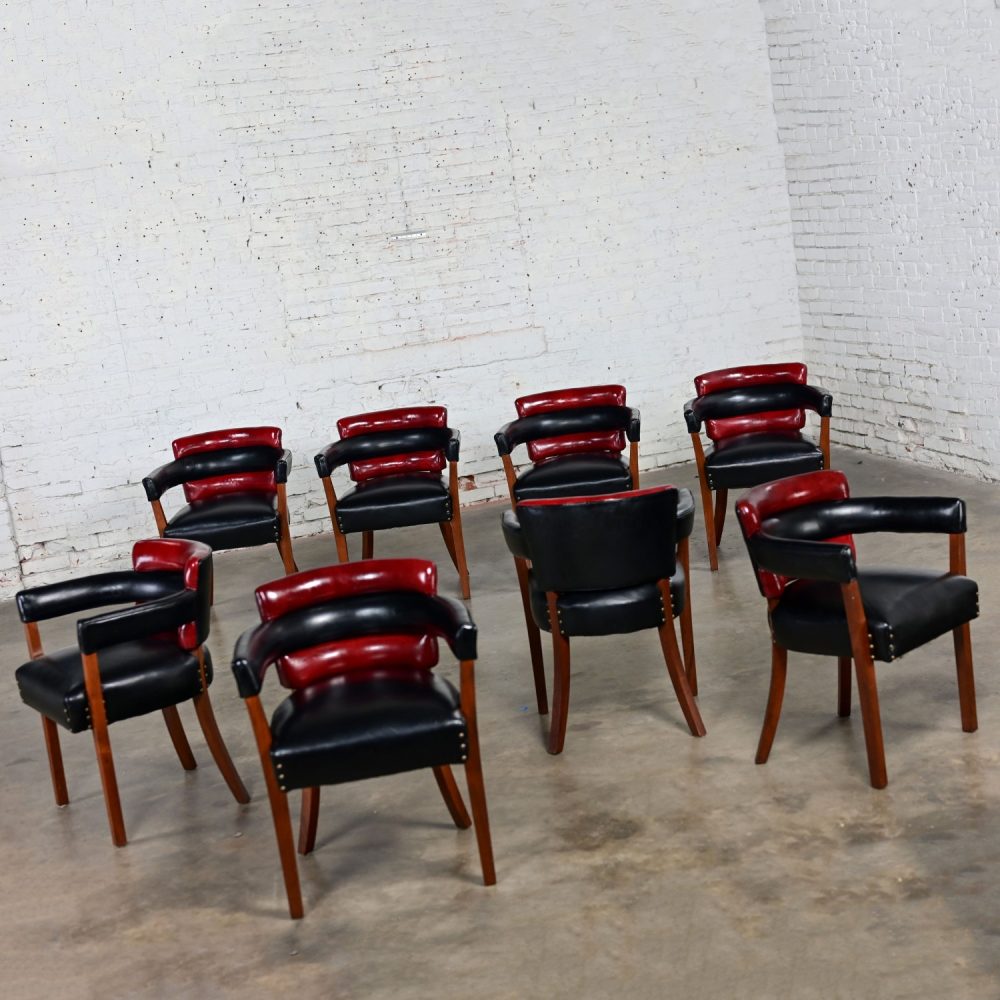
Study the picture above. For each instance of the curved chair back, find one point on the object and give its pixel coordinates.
(575, 421)
(755, 399)
(772, 499)
(351, 617)
(602, 542)
(396, 442)
(237, 460)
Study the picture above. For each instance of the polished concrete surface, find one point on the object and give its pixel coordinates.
(642, 862)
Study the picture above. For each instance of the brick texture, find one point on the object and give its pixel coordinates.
(223, 212)
(889, 115)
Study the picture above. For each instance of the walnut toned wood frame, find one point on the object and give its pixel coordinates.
(864, 665)
(671, 655)
(309, 812)
(102, 742)
(451, 531)
(715, 514)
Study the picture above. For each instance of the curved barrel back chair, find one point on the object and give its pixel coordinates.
(396, 459)
(602, 565)
(128, 662)
(799, 533)
(575, 440)
(356, 644)
(754, 417)
(234, 484)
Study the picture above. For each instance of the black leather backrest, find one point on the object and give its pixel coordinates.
(602, 543)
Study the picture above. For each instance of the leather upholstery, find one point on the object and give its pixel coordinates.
(355, 656)
(750, 459)
(366, 451)
(386, 723)
(389, 613)
(748, 376)
(575, 424)
(394, 502)
(905, 609)
(371, 576)
(612, 440)
(233, 521)
(232, 437)
(601, 543)
(608, 612)
(99, 590)
(573, 475)
(136, 677)
(228, 468)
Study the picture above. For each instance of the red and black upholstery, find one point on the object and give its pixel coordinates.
(128, 662)
(234, 484)
(356, 645)
(754, 417)
(575, 439)
(799, 532)
(396, 459)
(602, 565)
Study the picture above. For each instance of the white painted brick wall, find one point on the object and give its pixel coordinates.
(889, 115)
(223, 212)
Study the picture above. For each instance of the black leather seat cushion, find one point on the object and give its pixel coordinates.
(608, 612)
(574, 475)
(136, 677)
(394, 502)
(751, 459)
(905, 609)
(236, 521)
(343, 730)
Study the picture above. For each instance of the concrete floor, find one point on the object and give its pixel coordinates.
(640, 862)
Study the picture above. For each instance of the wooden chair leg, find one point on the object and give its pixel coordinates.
(675, 668)
(687, 623)
(279, 809)
(779, 668)
(452, 797)
(285, 551)
(560, 681)
(177, 736)
(706, 502)
(367, 544)
(534, 639)
(864, 666)
(461, 562)
(102, 746)
(966, 680)
(217, 747)
(721, 505)
(308, 820)
(54, 750)
(844, 686)
(449, 541)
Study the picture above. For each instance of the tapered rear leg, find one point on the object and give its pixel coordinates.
(56, 770)
(779, 669)
(217, 747)
(721, 502)
(534, 639)
(560, 680)
(687, 623)
(966, 680)
(844, 686)
(452, 797)
(367, 544)
(675, 668)
(308, 820)
(179, 739)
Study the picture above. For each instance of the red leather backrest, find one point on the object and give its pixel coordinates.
(361, 653)
(403, 419)
(327, 583)
(262, 481)
(583, 397)
(747, 378)
(762, 502)
(174, 554)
